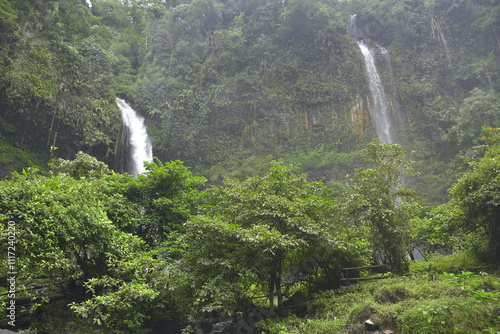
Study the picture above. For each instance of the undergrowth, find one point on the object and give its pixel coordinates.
(428, 300)
(15, 159)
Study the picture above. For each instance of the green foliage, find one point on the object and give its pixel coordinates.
(434, 179)
(79, 223)
(239, 79)
(258, 230)
(293, 325)
(438, 264)
(442, 82)
(480, 109)
(240, 168)
(58, 81)
(477, 194)
(380, 202)
(437, 230)
(118, 304)
(147, 208)
(218, 91)
(14, 158)
(229, 85)
(220, 88)
(8, 16)
(70, 236)
(155, 241)
(469, 221)
(166, 194)
(319, 159)
(82, 166)
(212, 273)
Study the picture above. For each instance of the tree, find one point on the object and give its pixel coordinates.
(59, 234)
(481, 108)
(85, 222)
(253, 232)
(8, 17)
(381, 201)
(166, 194)
(83, 165)
(64, 233)
(477, 194)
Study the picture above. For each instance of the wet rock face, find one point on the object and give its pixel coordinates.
(360, 115)
(239, 325)
(364, 27)
(222, 327)
(371, 325)
(362, 329)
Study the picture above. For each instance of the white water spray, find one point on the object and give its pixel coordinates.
(140, 145)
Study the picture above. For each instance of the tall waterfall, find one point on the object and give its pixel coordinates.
(380, 113)
(140, 148)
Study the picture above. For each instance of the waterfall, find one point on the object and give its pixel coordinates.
(380, 113)
(140, 148)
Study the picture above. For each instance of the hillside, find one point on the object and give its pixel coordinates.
(227, 81)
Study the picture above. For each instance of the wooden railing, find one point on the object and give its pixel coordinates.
(347, 279)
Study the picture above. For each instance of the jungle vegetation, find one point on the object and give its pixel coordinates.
(267, 181)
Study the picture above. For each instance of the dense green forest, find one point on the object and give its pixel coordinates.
(267, 181)
(230, 85)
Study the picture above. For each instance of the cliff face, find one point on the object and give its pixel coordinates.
(230, 79)
(360, 116)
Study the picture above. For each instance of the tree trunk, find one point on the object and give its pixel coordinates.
(279, 265)
(271, 292)
(275, 284)
(494, 242)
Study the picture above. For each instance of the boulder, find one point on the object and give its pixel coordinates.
(371, 325)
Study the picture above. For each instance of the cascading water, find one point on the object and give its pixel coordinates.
(379, 112)
(139, 143)
(401, 118)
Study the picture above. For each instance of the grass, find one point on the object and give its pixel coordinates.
(425, 301)
(293, 325)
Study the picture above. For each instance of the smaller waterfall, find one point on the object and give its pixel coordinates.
(385, 54)
(140, 148)
(400, 118)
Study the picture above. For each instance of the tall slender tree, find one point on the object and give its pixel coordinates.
(381, 201)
